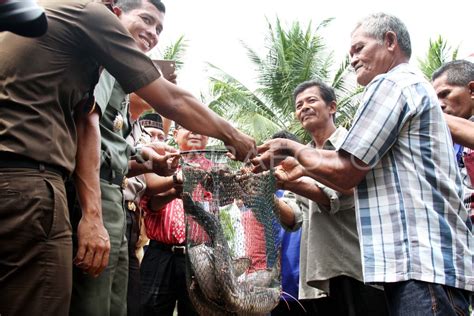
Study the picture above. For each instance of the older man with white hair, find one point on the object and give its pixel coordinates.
(415, 234)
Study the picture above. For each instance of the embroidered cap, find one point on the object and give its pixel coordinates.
(151, 120)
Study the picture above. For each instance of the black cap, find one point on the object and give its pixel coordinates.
(151, 120)
(23, 17)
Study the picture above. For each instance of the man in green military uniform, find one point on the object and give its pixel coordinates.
(107, 293)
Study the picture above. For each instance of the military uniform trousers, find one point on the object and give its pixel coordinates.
(35, 243)
(106, 294)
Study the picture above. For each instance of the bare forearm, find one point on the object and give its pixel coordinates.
(136, 168)
(157, 202)
(462, 130)
(180, 106)
(287, 216)
(86, 175)
(308, 190)
(336, 169)
(156, 184)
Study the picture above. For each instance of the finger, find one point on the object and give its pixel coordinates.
(231, 156)
(80, 254)
(231, 151)
(259, 166)
(105, 259)
(281, 176)
(156, 147)
(263, 148)
(175, 161)
(180, 176)
(88, 259)
(170, 149)
(172, 78)
(101, 259)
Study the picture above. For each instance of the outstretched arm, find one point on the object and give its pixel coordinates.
(179, 105)
(462, 130)
(336, 169)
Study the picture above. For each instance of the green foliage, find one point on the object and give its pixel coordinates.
(439, 52)
(227, 227)
(176, 50)
(292, 56)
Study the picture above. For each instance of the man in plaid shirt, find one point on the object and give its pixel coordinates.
(415, 234)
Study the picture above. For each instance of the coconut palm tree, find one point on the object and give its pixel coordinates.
(439, 52)
(292, 56)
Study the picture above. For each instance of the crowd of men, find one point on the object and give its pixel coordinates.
(385, 208)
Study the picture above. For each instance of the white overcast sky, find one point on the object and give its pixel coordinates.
(214, 28)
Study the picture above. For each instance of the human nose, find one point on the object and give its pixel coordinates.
(443, 106)
(354, 60)
(153, 36)
(304, 107)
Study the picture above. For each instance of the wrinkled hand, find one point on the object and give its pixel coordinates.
(94, 246)
(272, 153)
(161, 158)
(242, 147)
(289, 170)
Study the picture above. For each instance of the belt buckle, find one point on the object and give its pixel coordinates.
(178, 249)
(124, 183)
(131, 206)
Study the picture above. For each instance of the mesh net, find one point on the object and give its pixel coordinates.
(232, 262)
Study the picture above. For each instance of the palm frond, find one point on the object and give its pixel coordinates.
(292, 55)
(438, 54)
(176, 50)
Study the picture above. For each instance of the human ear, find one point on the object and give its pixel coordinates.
(391, 40)
(333, 107)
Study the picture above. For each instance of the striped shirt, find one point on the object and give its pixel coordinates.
(411, 219)
(168, 225)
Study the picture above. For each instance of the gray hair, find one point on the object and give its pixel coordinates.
(458, 72)
(378, 24)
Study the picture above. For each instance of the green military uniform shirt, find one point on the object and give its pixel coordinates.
(114, 124)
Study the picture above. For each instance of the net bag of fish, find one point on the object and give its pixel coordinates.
(232, 247)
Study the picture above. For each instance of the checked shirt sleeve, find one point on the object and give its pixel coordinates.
(378, 122)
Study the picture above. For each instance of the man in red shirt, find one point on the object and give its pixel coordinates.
(163, 272)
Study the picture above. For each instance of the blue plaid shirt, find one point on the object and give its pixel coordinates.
(411, 219)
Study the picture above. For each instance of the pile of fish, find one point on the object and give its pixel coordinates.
(218, 284)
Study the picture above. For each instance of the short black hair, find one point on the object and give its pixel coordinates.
(286, 135)
(128, 5)
(458, 72)
(327, 92)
